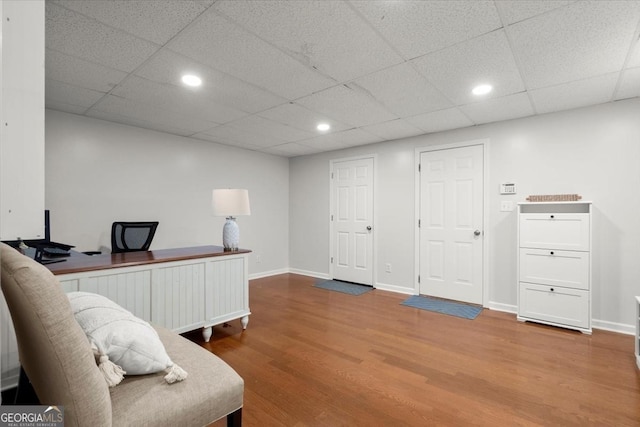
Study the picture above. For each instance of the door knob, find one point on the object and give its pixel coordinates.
(368, 228)
(477, 233)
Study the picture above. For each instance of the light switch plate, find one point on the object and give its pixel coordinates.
(506, 206)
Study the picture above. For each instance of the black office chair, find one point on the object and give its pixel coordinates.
(132, 236)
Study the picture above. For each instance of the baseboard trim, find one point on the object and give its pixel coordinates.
(498, 306)
(309, 273)
(604, 325)
(10, 380)
(268, 273)
(620, 328)
(394, 288)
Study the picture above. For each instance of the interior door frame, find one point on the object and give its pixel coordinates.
(374, 239)
(485, 210)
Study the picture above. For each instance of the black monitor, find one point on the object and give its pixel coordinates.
(47, 229)
(46, 241)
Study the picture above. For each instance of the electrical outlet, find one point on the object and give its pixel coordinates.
(387, 267)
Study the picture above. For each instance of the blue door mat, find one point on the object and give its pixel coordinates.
(344, 287)
(442, 306)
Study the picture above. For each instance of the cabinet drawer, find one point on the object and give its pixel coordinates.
(552, 267)
(563, 306)
(555, 231)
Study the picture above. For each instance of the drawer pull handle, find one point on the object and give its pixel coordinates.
(551, 289)
(551, 252)
(553, 216)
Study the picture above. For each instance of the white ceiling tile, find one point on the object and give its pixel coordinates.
(339, 140)
(487, 59)
(438, 121)
(182, 100)
(215, 41)
(326, 35)
(419, 27)
(394, 129)
(630, 84)
(351, 106)
(290, 149)
(59, 92)
(581, 40)
(403, 90)
(217, 139)
(265, 127)
(137, 122)
(238, 144)
(634, 58)
(323, 143)
(156, 21)
(227, 134)
(76, 35)
(75, 71)
(299, 117)
(168, 67)
(519, 10)
(596, 90)
(354, 137)
(226, 141)
(148, 116)
(66, 108)
(505, 108)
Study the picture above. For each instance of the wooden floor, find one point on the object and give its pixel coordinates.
(312, 357)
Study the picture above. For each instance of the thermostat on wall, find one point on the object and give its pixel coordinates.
(509, 188)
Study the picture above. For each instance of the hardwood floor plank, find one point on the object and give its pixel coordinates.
(312, 357)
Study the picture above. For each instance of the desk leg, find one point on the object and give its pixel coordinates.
(244, 321)
(207, 333)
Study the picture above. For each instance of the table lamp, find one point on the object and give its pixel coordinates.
(230, 203)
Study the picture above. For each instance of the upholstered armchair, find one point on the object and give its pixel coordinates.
(57, 359)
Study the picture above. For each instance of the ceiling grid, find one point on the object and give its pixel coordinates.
(375, 71)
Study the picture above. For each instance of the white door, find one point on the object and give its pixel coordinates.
(352, 220)
(451, 204)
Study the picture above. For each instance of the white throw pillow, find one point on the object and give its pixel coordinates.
(122, 342)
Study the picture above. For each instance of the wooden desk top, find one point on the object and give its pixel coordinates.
(78, 262)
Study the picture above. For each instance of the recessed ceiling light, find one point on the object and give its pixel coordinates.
(323, 127)
(482, 89)
(191, 80)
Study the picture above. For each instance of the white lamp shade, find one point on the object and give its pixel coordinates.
(230, 202)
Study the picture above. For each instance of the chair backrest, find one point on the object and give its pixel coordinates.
(53, 350)
(132, 236)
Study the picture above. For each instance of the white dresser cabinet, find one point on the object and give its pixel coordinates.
(554, 264)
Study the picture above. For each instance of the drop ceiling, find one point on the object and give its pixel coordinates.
(374, 70)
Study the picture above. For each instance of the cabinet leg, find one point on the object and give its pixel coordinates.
(244, 321)
(207, 333)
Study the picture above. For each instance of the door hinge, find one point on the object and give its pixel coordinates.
(331, 175)
(419, 167)
(331, 260)
(331, 217)
(418, 278)
(419, 223)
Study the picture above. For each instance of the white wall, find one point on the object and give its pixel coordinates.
(592, 151)
(98, 172)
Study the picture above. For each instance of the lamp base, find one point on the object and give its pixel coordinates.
(230, 235)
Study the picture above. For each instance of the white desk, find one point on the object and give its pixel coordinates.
(180, 289)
